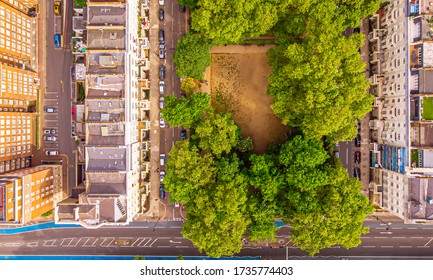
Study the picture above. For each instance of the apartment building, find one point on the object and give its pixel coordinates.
(112, 153)
(18, 88)
(401, 61)
(28, 193)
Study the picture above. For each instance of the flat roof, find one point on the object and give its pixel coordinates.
(108, 39)
(106, 15)
(105, 62)
(427, 54)
(105, 159)
(105, 134)
(105, 86)
(106, 183)
(105, 105)
(425, 81)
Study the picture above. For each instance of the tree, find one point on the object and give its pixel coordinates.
(187, 84)
(188, 3)
(185, 112)
(230, 21)
(188, 171)
(339, 220)
(217, 134)
(192, 56)
(216, 216)
(320, 88)
(245, 144)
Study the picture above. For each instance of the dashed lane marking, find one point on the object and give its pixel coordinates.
(107, 242)
(405, 246)
(16, 244)
(398, 237)
(369, 246)
(50, 243)
(386, 246)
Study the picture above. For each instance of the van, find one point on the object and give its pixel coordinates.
(161, 36)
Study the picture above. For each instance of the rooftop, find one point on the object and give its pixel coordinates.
(420, 195)
(105, 134)
(105, 86)
(106, 15)
(105, 63)
(424, 135)
(103, 184)
(100, 39)
(106, 159)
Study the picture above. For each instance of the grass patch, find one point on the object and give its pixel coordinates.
(80, 3)
(427, 108)
(37, 102)
(38, 144)
(47, 214)
(414, 158)
(80, 92)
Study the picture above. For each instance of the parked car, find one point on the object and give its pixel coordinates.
(161, 53)
(337, 154)
(357, 172)
(162, 71)
(57, 40)
(357, 157)
(181, 8)
(51, 152)
(161, 87)
(49, 131)
(161, 102)
(57, 7)
(183, 134)
(161, 36)
(356, 30)
(162, 192)
(73, 73)
(161, 2)
(50, 110)
(50, 138)
(162, 159)
(162, 175)
(359, 126)
(161, 121)
(73, 112)
(358, 141)
(161, 14)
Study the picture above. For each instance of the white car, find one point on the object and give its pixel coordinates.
(51, 152)
(161, 2)
(162, 159)
(161, 102)
(162, 175)
(161, 121)
(50, 138)
(161, 87)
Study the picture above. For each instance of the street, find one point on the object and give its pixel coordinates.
(57, 94)
(397, 241)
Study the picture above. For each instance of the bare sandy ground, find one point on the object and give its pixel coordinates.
(237, 81)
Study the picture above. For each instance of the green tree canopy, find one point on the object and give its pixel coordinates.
(192, 56)
(230, 21)
(188, 3)
(185, 112)
(218, 133)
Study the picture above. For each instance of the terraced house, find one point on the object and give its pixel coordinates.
(112, 150)
(401, 59)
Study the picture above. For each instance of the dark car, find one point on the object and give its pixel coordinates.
(359, 126)
(183, 134)
(357, 157)
(57, 40)
(162, 192)
(161, 36)
(162, 71)
(161, 51)
(358, 141)
(181, 8)
(356, 30)
(73, 73)
(161, 14)
(357, 172)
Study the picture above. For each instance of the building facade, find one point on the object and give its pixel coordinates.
(28, 193)
(112, 152)
(401, 61)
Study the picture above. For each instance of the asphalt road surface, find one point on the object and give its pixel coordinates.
(383, 242)
(58, 93)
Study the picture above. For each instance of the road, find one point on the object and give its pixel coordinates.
(398, 241)
(174, 26)
(346, 150)
(57, 94)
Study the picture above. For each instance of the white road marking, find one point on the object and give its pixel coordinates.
(380, 237)
(151, 244)
(368, 246)
(91, 244)
(181, 246)
(386, 246)
(50, 243)
(107, 242)
(425, 245)
(13, 244)
(416, 237)
(405, 246)
(66, 240)
(32, 244)
(160, 246)
(398, 237)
